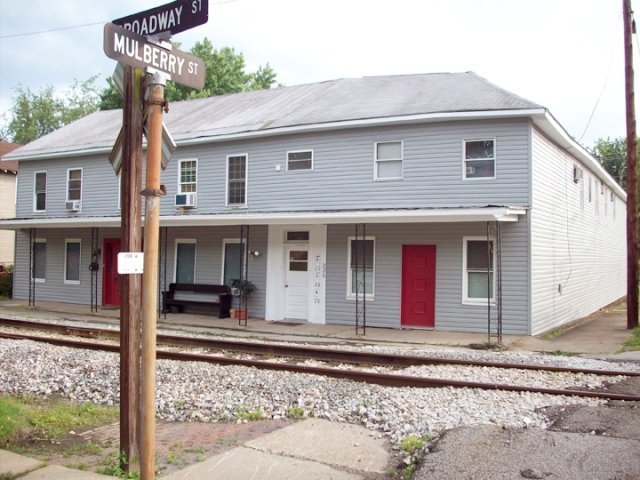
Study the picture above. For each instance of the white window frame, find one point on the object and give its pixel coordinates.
(465, 278)
(175, 257)
(350, 294)
(180, 183)
(66, 242)
(120, 192)
(465, 159)
(44, 279)
(376, 161)
(246, 182)
(69, 170)
(226, 241)
(35, 191)
(310, 150)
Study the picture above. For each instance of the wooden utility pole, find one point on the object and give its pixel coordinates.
(130, 285)
(632, 170)
(152, 194)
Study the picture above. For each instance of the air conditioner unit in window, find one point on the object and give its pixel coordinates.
(577, 174)
(471, 170)
(186, 200)
(74, 206)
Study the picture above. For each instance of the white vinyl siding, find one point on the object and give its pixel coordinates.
(578, 260)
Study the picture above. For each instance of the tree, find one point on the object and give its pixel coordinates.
(224, 73)
(36, 114)
(612, 154)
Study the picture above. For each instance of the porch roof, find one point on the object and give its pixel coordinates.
(418, 215)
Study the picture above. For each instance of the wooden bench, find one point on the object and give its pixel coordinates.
(197, 298)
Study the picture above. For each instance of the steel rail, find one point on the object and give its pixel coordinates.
(322, 354)
(358, 376)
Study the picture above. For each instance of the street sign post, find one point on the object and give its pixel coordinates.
(168, 19)
(137, 51)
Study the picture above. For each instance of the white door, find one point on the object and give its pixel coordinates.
(297, 282)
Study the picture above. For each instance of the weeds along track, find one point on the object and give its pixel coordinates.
(377, 368)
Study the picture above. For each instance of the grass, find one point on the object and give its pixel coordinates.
(295, 412)
(412, 446)
(244, 414)
(26, 418)
(632, 343)
(562, 353)
(554, 333)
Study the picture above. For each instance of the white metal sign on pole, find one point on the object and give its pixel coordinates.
(130, 263)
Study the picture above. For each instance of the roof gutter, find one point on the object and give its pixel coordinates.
(440, 215)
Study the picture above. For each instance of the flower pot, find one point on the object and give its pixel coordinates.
(242, 314)
(233, 313)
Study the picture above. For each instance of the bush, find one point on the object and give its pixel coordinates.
(6, 283)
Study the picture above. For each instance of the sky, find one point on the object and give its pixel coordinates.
(566, 55)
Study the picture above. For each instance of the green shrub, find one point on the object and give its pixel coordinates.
(6, 283)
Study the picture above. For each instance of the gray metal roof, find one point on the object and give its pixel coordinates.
(344, 100)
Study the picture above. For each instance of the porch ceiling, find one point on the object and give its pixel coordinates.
(435, 215)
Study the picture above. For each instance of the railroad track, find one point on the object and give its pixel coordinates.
(306, 353)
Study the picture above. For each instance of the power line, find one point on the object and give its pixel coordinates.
(85, 25)
(606, 81)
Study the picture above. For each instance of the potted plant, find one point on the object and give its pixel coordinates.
(243, 290)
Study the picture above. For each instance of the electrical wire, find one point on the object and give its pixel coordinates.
(606, 81)
(85, 25)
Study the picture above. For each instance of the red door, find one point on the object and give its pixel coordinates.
(418, 285)
(110, 276)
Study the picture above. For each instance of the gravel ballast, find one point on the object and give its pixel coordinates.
(190, 391)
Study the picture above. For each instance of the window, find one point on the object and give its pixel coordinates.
(478, 264)
(237, 180)
(74, 184)
(40, 192)
(302, 236)
(479, 159)
(188, 172)
(388, 161)
(231, 251)
(72, 261)
(589, 189)
(302, 160)
(40, 260)
(185, 265)
(120, 192)
(365, 251)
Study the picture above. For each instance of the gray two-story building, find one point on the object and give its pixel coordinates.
(464, 202)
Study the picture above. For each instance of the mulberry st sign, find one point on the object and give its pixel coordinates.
(168, 19)
(137, 51)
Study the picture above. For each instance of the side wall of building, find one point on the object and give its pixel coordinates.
(578, 247)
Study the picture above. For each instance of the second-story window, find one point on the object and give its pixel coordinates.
(479, 159)
(40, 192)
(74, 184)
(188, 176)
(237, 180)
(388, 161)
(302, 160)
